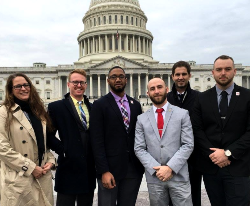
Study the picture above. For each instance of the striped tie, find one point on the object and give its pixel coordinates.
(124, 114)
(84, 121)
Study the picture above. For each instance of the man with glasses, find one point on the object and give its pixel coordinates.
(112, 130)
(75, 176)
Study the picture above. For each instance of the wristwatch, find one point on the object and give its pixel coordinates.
(228, 153)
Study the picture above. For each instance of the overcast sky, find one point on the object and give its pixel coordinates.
(47, 30)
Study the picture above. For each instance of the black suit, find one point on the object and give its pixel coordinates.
(195, 175)
(76, 171)
(233, 134)
(113, 146)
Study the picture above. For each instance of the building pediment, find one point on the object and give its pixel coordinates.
(119, 61)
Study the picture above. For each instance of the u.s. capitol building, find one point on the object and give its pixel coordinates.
(114, 33)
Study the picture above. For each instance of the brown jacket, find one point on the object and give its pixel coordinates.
(19, 157)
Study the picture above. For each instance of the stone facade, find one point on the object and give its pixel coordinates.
(114, 34)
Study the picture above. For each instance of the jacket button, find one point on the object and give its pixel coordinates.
(21, 128)
(25, 155)
(23, 141)
(162, 146)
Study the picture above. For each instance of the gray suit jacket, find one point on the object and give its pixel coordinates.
(173, 149)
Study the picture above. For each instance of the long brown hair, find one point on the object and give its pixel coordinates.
(35, 102)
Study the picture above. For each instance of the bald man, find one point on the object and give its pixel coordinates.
(163, 143)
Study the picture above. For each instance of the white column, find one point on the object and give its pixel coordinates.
(90, 86)
(113, 43)
(120, 43)
(139, 85)
(106, 42)
(107, 85)
(139, 44)
(99, 85)
(84, 47)
(99, 43)
(151, 48)
(133, 43)
(131, 85)
(169, 81)
(88, 46)
(146, 84)
(147, 48)
(93, 44)
(81, 49)
(144, 45)
(126, 47)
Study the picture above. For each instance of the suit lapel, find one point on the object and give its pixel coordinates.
(214, 105)
(132, 113)
(233, 101)
(72, 110)
(168, 115)
(115, 107)
(151, 117)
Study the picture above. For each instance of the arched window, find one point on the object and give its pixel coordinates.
(104, 20)
(115, 19)
(126, 19)
(110, 19)
(99, 20)
(136, 22)
(121, 19)
(94, 22)
(132, 20)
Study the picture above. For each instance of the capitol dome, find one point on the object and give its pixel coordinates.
(114, 28)
(96, 2)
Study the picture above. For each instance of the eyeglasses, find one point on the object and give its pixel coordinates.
(75, 83)
(19, 86)
(114, 77)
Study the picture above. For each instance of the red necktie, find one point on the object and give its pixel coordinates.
(160, 121)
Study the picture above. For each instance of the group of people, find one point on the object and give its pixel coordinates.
(184, 136)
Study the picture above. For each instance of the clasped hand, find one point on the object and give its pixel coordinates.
(40, 171)
(219, 158)
(163, 173)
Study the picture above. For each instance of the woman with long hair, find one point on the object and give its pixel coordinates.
(26, 162)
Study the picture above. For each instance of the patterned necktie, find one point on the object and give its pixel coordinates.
(181, 96)
(124, 114)
(223, 104)
(83, 116)
(160, 121)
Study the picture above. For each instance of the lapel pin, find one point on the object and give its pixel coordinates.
(131, 101)
(237, 93)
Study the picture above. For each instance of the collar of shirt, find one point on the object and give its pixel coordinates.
(180, 93)
(117, 98)
(165, 107)
(229, 90)
(75, 101)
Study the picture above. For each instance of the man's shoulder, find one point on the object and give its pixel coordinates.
(176, 109)
(57, 103)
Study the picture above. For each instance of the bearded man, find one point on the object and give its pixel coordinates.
(221, 124)
(163, 144)
(112, 129)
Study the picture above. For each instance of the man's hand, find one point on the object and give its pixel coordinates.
(37, 172)
(108, 180)
(164, 173)
(224, 164)
(218, 156)
(47, 167)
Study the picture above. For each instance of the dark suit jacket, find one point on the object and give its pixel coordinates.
(76, 171)
(113, 147)
(209, 132)
(187, 104)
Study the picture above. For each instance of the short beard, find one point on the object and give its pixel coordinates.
(225, 83)
(160, 101)
(119, 90)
